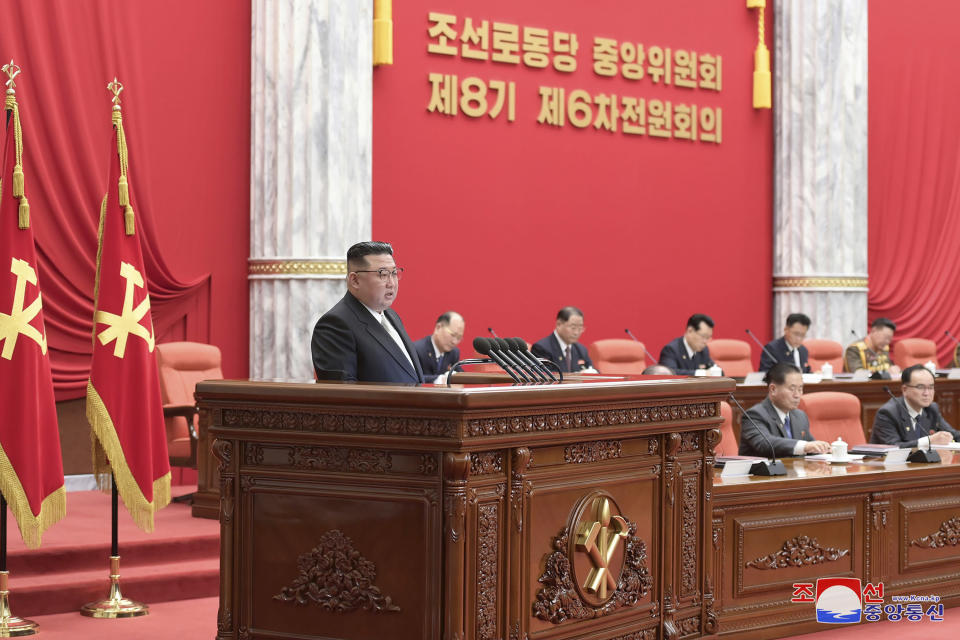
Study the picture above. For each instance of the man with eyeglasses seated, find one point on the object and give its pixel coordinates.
(912, 420)
(438, 352)
(690, 352)
(361, 339)
(563, 346)
(787, 429)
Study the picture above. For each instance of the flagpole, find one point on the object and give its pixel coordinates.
(115, 605)
(10, 625)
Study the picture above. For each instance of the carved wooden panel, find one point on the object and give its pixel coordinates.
(930, 533)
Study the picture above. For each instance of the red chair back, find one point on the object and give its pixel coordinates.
(820, 351)
(733, 356)
(911, 351)
(728, 445)
(834, 414)
(618, 357)
(181, 366)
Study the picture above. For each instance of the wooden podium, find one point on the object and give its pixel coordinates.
(363, 512)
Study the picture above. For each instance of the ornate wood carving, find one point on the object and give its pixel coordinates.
(486, 462)
(520, 461)
(645, 634)
(688, 575)
(223, 450)
(340, 459)
(488, 518)
(334, 576)
(688, 626)
(428, 464)
(798, 552)
(713, 439)
(456, 470)
(587, 419)
(653, 446)
(947, 534)
(690, 441)
(558, 601)
(314, 421)
(254, 454)
(592, 451)
(515, 633)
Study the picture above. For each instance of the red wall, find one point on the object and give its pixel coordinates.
(508, 222)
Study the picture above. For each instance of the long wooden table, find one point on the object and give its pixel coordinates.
(503, 512)
(899, 526)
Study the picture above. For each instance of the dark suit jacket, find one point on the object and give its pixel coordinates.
(349, 344)
(674, 355)
(892, 424)
(428, 359)
(765, 417)
(550, 349)
(781, 351)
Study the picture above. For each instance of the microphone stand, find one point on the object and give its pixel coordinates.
(762, 468)
(920, 455)
(760, 344)
(492, 332)
(506, 350)
(649, 355)
(520, 348)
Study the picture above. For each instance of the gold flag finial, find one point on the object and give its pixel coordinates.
(12, 72)
(116, 88)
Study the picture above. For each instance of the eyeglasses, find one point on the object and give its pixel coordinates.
(456, 336)
(384, 273)
(922, 388)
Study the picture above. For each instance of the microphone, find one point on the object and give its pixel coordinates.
(482, 345)
(772, 468)
(492, 332)
(855, 334)
(770, 355)
(520, 346)
(503, 347)
(496, 348)
(920, 455)
(510, 346)
(649, 355)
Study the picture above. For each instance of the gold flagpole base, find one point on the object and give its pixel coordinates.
(10, 625)
(115, 606)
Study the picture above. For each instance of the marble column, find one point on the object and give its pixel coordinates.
(310, 165)
(820, 165)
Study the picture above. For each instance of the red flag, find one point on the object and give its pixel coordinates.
(123, 395)
(31, 468)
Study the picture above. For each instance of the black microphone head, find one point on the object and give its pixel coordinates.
(502, 344)
(520, 343)
(747, 330)
(855, 334)
(481, 345)
(512, 344)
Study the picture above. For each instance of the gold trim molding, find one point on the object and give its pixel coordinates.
(303, 268)
(820, 282)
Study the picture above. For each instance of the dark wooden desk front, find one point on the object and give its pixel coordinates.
(896, 526)
(371, 511)
(872, 397)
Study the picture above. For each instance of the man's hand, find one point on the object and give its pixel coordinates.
(817, 446)
(941, 437)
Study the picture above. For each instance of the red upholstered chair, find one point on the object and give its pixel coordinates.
(618, 357)
(834, 414)
(733, 356)
(820, 351)
(911, 351)
(182, 365)
(728, 441)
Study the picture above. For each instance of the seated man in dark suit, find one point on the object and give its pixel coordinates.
(438, 351)
(912, 420)
(689, 352)
(788, 348)
(361, 338)
(562, 346)
(786, 427)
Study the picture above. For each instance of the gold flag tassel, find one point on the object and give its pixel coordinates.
(123, 186)
(761, 60)
(382, 32)
(23, 211)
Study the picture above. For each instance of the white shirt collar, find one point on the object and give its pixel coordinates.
(378, 315)
(436, 350)
(781, 414)
(690, 351)
(563, 345)
(913, 414)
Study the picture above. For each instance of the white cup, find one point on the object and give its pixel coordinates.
(839, 448)
(827, 371)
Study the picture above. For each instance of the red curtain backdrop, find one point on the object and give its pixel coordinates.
(185, 66)
(507, 222)
(914, 169)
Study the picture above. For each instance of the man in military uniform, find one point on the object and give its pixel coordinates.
(873, 352)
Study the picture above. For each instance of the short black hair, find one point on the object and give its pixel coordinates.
(357, 254)
(446, 317)
(794, 318)
(564, 314)
(908, 372)
(883, 322)
(777, 374)
(693, 322)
